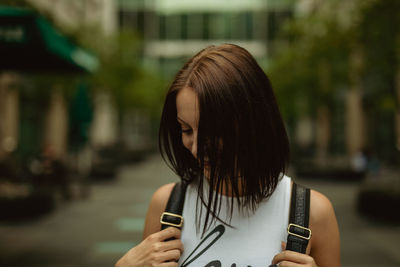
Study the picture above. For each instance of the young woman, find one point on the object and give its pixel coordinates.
(221, 130)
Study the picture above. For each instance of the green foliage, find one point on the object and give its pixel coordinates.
(308, 71)
(122, 74)
(380, 41)
(335, 46)
(147, 92)
(379, 38)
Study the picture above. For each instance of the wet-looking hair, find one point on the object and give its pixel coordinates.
(240, 131)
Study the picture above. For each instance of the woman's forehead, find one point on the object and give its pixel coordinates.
(187, 106)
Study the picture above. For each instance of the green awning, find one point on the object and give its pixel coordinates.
(28, 42)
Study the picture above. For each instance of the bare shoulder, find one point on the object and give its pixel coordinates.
(156, 208)
(325, 241)
(320, 207)
(161, 195)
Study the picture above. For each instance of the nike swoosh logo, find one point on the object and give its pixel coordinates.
(207, 242)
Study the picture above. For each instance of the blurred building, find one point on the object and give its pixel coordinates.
(175, 30)
(34, 111)
(99, 15)
(353, 123)
(83, 13)
(9, 113)
(171, 32)
(30, 44)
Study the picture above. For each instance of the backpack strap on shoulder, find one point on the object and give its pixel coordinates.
(172, 216)
(298, 232)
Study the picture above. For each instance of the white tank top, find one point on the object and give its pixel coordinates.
(253, 242)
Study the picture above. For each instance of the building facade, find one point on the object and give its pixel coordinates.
(173, 30)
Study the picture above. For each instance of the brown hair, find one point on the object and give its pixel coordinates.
(238, 110)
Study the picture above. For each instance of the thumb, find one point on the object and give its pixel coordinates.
(283, 245)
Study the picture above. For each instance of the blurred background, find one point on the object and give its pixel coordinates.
(82, 85)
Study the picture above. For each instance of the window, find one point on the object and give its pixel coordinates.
(216, 26)
(195, 26)
(173, 26)
(162, 27)
(184, 26)
(206, 26)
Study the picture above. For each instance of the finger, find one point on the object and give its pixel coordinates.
(173, 244)
(288, 264)
(167, 245)
(292, 256)
(170, 255)
(170, 232)
(283, 245)
(168, 264)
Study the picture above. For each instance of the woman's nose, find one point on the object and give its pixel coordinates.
(194, 146)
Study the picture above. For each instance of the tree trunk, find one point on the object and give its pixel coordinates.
(397, 115)
(323, 130)
(323, 134)
(356, 135)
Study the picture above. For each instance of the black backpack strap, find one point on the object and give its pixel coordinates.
(172, 216)
(298, 232)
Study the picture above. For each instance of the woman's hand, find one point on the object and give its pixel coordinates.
(155, 251)
(289, 258)
(324, 227)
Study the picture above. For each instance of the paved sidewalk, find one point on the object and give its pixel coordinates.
(97, 231)
(92, 232)
(363, 242)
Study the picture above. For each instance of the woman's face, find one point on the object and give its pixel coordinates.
(187, 106)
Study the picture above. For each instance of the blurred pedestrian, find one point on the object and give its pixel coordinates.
(221, 130)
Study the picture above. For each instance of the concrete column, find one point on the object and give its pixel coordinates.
(9, 113)
(109, 18)
(56, 125)
(104, 129)
(355, 125)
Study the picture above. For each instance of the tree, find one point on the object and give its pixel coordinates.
(337, 49)
(310, 70)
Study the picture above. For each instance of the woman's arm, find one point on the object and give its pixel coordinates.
(324, 246)
(154, 250)
(156, 208)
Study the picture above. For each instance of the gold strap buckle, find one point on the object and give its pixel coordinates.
(173, 215)
(301, 227)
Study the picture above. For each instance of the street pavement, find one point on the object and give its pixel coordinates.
(98, 230)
